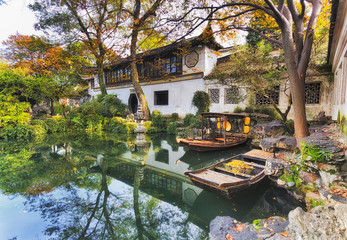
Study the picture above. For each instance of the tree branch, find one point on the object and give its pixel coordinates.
(249, 29)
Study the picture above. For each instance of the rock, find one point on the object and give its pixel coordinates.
(327, 167)
(325, 143)
(256, 142)
(274, 143)
(220, 227)
(312, 196)
(321, 117)
(324, 222)
(280, 182)
(274, 167)
(277, 224)
(328, 179)
(270, 129)
(308, 177)
(277, 236)
(329, 196)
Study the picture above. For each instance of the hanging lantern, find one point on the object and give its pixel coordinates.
(247, 120)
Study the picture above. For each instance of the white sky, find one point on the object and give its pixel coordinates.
(15, 17)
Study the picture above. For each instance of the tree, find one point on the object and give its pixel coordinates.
(39, 57)
(254, 68)
(140, 18)
(55, 71)
(296, 23)
(92, 22)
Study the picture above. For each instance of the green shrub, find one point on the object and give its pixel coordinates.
(57, 124)
(92, 112)
(315, 153)
(19, 131)
(293, 175)
(120, 125)
(202, 101)
(147, 125)
(113, 104)
(268, 110)
(174, 117)
(58, 108)
(13, 112)
(238, 109)
(158, 121)
(172, 127)
(188, 119)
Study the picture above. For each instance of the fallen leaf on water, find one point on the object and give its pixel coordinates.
(284, 233)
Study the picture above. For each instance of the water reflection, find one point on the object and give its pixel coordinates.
(84, 186)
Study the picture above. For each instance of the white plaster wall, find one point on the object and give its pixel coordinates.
(210, 60)
(180, 95)
(222, 106)
(338, 59)
(200, 66)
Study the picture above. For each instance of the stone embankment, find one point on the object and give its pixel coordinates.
(318, 176)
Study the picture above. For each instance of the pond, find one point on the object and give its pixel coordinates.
(90, 186)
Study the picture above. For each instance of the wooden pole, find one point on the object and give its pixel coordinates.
(202, 127)
(224, 129)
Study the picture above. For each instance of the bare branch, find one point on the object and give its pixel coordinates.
(249, 29)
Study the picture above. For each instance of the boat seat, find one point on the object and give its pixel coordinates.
(215, 178)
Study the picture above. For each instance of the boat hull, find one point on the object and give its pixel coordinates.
(210, 145)
(228, 183)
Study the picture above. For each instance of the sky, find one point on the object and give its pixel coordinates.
(15, 17)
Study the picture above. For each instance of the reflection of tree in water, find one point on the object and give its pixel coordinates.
(78, 204)
(79, 214)
(98, 213)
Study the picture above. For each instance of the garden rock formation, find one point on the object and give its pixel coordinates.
(225, 227)
(324, 222)
(263, 130)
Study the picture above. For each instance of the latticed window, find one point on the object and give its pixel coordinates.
(232, 95)
(273, 94)
(312, 93)
(214, 95)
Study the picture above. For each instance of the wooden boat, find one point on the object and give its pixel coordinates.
(220, 135)
(217, 178)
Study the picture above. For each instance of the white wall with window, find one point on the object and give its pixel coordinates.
(225, 98)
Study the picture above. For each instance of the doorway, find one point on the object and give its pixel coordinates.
(133, 103)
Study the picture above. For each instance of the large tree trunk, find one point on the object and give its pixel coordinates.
(138, 90)
(297, 87)
(134, 73)
(101, 78)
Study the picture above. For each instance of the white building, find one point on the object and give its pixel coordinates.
(169, 81)
(338, 60)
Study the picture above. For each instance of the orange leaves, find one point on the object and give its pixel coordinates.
(228, 237)
(239, 227)
(38, 55)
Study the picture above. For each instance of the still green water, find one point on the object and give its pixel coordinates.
(89, 186)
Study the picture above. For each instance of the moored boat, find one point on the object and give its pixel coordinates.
(223, 130)
(226, 180)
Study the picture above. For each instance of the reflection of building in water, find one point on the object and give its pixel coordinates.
(161, 171)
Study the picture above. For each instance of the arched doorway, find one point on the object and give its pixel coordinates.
(133, 103)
